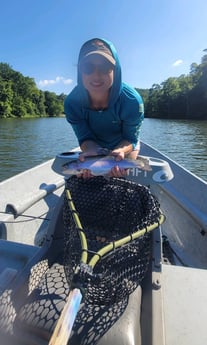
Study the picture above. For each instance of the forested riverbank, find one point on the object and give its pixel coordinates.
(184, 97)
(20, 97)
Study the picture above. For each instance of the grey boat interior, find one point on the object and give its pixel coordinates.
(166, 308)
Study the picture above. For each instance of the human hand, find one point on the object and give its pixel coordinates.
(100, 151)
(116, 171)
(118, 154)
(90, 153)
(86, 173)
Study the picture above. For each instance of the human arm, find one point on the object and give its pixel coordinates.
(77, 116)
(91, 148)
(131, 115)
(125, 149)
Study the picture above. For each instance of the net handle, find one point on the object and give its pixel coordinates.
(84, 245)
(123, 241)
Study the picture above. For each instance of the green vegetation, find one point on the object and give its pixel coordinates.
(20, 97)
(184, 97)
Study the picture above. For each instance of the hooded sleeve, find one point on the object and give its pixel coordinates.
(76, 116)
(131, 114)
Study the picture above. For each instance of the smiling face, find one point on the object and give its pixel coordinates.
(97, 76)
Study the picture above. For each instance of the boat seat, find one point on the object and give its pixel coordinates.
(13, 258)
(37, 317)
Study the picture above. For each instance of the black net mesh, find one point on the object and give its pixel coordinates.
(108, 210)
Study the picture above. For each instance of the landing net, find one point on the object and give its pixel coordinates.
(108, 210)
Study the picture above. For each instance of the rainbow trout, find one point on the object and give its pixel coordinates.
(103, 165)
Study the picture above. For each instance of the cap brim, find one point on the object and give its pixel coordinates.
(107, 56)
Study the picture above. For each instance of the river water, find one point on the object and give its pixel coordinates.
(25, 143)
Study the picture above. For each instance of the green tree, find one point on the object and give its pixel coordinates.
(153, 103)
(186, 85)
(199, 91)
(20, 97)
(6, 95)
(54, 106)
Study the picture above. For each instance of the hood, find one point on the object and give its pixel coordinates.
(117, 83)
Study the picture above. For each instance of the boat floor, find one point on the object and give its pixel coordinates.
(37, 315)
(30, 309)
(184, 298)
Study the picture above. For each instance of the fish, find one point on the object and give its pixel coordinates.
(103, 165)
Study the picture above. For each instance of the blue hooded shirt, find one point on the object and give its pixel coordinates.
(121, 120)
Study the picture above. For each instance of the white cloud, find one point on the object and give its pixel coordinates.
(57, 80)
(177, 63)
(67, 81)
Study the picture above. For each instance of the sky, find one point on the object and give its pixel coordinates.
(155, 39)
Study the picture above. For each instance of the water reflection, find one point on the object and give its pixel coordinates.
(26, 143)
(183, 141)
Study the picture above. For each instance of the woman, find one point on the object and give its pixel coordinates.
(105, 113)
